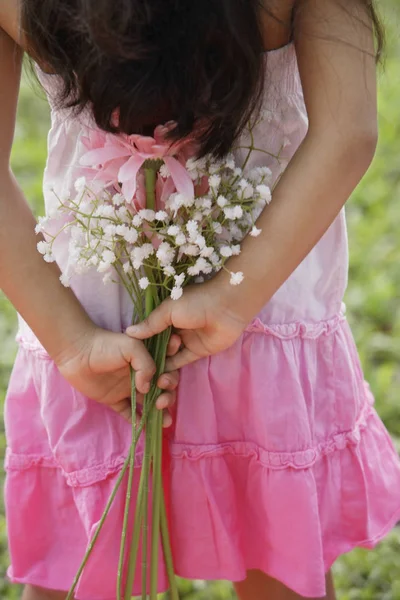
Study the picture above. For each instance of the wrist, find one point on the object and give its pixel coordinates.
(243, 300)
(71, 338)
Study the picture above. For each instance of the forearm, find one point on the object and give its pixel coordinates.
(32, 285)
(306, 201)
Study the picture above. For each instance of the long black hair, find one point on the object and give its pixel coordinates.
(189, 61)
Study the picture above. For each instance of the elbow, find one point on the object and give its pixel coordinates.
(363, 144)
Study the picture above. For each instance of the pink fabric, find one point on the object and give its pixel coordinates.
(277, 459)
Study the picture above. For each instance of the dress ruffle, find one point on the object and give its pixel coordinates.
(277, 461)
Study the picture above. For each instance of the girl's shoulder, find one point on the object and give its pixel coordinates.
(276, 20)
(10, 20)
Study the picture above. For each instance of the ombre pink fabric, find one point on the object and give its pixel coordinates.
(277, 460)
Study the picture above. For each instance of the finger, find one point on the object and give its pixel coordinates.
(166, 400)
(141, 363)
(123, 408)
(168, 381)
(167, 420)
(184, 357)
(157, 321)
(174, 344)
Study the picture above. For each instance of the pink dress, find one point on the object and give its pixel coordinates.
(277, 461)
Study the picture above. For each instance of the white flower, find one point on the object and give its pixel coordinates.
(65, 279)
(264, 192)
(169, 271)
(222, 201)
(200, 241)
(214, 182)
(41, 224)
(108, 256)
(144, 283)
(201, 266)
(248, 192)
(147, 215)
(94, 260)
(187, 201)
(161, 215)
(127, 267)
(229, 212)
(180, 239)
(238, 212)
(217, 227)
(137, 220)
(107, 278)
(176, 293)
(255, 232)
(118, 199)
(226, 251)
(207, 251)
(190, 250)
(173, 230)
(214, 259)
(44, 247)
(179, 280)
(80, 184)
(147, 250)
(192, 228)
(164, 171)
(230, 162)
(198, 216)
(165, 254)
(236, 278)
(237, 172)
(123, 213)
(235, 249)
(131, 236)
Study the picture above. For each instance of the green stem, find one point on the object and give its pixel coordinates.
(169, 563)
(129, 488)
(70, 595)
(146, 475)
(150, 176)
(157, 493)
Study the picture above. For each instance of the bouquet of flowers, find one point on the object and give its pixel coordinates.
(150, 216)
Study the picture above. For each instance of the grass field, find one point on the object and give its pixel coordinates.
(373, 301)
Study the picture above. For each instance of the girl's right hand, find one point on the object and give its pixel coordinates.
(98, 366)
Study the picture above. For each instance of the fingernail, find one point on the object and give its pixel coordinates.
(132, 329)
(146, 388)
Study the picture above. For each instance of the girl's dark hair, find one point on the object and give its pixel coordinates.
(189, 61)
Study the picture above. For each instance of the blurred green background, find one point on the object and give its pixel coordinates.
(373, 301)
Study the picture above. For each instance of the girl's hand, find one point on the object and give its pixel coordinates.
(203, 319)
(98, 367)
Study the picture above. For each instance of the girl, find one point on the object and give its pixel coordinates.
(278, 461)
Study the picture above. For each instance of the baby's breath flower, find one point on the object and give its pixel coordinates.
(65, 279)
(147, 215)
(217, 227)
(207, 251)
(255, 232)
(144, 283)
(137, 220)
(222, 201)
(118, 199)
(225, 251)
(109, 256)
(190, 250)
(173, 230)
(164, 171)
(214, 182)
(236, 278)
(169, 271)
(161, 215)
(80, 184)
(235, 249)
(264, 192)
(165, 254)
(180, 239)
(176, 293)
(179, 280)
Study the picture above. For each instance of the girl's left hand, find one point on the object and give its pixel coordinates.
(203, 320)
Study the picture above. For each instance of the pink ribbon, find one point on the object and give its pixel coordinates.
(118, 159)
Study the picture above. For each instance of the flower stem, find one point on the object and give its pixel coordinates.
(129, 488)
(150, 175)
(157, 493)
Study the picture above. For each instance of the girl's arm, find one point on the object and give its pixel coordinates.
(336, 60)
(95, 361)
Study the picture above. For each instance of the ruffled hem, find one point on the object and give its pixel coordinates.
(229, 512)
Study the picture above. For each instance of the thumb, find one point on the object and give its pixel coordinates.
(157, 321)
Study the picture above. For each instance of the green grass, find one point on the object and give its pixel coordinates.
(373, 301)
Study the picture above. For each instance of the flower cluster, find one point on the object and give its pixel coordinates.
(186, 238)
